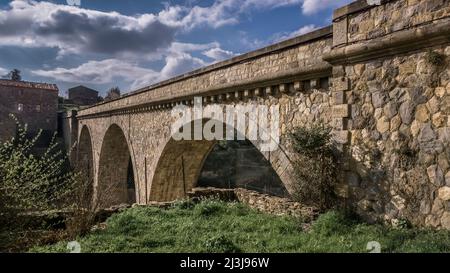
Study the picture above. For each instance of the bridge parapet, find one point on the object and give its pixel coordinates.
(284, 67)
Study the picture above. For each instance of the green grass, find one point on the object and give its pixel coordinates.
(213, 226)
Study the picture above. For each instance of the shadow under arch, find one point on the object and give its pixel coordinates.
(115, 180)
(85, 156)
(85, 163)
(181, 162)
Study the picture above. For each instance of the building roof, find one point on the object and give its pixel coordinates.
(82, 87)
(31, 85)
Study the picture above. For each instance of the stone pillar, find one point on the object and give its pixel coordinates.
(69, 131)
(341, 86)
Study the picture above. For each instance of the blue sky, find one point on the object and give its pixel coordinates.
(134, 43)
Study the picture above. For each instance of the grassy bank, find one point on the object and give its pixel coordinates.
(213, 226)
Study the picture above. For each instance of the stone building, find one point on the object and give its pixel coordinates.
(32, 103)
(82, 95)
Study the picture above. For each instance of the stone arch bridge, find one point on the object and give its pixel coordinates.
(371, 76)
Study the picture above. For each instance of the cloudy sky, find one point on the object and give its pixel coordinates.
(133, 43)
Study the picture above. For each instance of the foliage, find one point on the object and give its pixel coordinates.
(14, 75)
(315, 166)
(32, 182)
(237, 228)
(311, 140)
(113, 93)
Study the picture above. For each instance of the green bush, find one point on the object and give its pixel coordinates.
(31, 182)
(315, 166)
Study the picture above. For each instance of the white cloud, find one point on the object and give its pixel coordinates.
(110, 70)
(190, 47)
(303, 30)
(125, 42)
(3, 72)
(177, 64)
(73, 29)
(221, 13)
(99, 72)
(227, 12)
(250, 43)
(218, 54)
(287, 35)
(313, 6)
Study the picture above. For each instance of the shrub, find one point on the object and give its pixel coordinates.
(36, 190)
(31, 182)
(315, 166)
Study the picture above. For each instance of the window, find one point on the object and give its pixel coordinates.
(38, 108)
(20, 107)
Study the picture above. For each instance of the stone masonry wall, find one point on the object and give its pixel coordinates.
(262, 202)
(397, 161)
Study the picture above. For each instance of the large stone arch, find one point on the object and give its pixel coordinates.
(181, 162)
(114, 165)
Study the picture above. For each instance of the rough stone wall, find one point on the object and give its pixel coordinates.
(394, 16)
(399, 138)
(397, 154)
(262, 202)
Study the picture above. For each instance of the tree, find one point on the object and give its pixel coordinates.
(15, 75)
(29, 181)
(113, 93)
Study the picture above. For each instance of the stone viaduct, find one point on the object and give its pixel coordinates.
(379, 76)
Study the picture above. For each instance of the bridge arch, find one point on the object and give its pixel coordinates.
(115, 178)
(85, 157)
(181, 162)
(85, 164)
